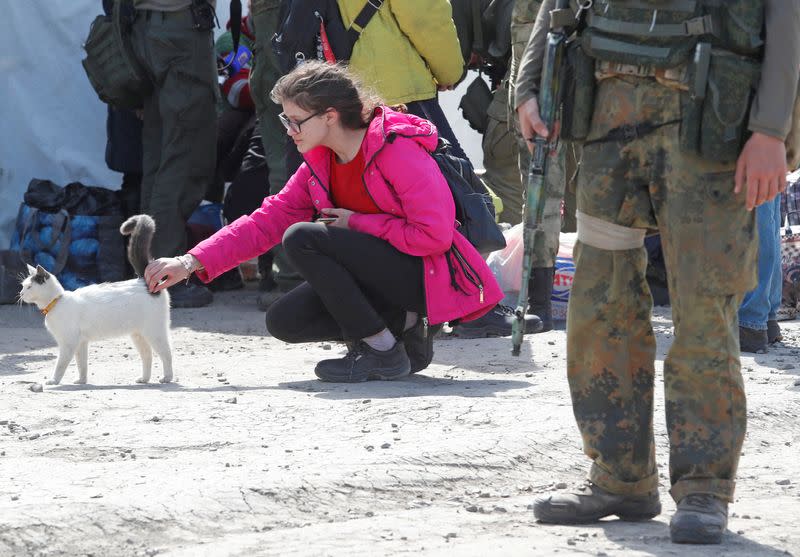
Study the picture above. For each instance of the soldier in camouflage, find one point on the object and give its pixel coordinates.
(560, 171)
(639, 172)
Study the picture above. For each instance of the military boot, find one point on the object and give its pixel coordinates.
(700, 518)
(540, 292)
(590, 503)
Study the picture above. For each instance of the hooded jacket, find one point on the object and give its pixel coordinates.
(418, 217)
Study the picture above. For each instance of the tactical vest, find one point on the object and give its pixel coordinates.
(663, 33)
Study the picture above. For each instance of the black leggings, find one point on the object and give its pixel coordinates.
(356, 286)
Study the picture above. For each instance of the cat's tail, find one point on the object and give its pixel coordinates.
(141, 229)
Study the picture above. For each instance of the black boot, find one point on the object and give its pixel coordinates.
(540, 292)
(496, 323)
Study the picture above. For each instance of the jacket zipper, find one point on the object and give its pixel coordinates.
(469, 271)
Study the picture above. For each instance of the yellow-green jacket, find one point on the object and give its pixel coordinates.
(406, 49)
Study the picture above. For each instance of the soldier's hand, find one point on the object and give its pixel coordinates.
(761, 169)
(530, 123)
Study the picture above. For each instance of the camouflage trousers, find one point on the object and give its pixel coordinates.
(710, 251)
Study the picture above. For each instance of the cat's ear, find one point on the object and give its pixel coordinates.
(31, 270)
(41, 271)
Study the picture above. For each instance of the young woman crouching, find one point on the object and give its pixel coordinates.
(368, 221)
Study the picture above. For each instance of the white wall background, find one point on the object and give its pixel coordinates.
(52, 125)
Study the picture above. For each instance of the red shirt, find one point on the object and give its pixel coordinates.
(347, 188)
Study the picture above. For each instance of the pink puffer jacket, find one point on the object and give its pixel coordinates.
(418, 217)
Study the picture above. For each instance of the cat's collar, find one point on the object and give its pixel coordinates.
(51, 305)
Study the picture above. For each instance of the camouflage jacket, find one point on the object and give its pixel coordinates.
(771, 111)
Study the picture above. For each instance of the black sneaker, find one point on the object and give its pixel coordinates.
(418, 341)
(752, 340)
(590, 503)
(701, 518)
(189, 295)
(773, 332)
(363, 363)
(496, 323)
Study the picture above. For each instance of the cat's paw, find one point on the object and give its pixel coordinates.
(80, 382)
(165, 380)
(143, 380)
(52, 382)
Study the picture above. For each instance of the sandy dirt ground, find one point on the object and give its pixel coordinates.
(248, 454)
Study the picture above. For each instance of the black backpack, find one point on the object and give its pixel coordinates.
(301, 23)
(474, 207)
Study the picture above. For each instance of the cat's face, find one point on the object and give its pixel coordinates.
(38, 286)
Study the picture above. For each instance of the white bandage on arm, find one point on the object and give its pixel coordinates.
(606, 235)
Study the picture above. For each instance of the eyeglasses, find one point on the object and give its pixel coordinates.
(295, 126)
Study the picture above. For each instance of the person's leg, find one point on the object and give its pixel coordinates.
(431, 110)
(183, 62)
(300, 316)
(353, 274)
(610, 341)
(776, 281)
(761, 304)
(710, 249)
(500, 158)
(263, 76)
(755, 307)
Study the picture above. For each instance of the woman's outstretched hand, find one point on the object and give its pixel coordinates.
(163, 273)
(342, 217)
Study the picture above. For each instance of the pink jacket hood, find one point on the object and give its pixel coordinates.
(418, 216)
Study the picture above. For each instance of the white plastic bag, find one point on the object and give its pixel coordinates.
(506, 264)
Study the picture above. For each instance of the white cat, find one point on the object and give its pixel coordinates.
(105, 310)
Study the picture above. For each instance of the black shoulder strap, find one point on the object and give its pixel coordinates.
(362, 19)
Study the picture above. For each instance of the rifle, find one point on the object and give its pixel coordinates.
(549, 102)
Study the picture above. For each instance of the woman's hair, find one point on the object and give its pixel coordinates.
(317, 86)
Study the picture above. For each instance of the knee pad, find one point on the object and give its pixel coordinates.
(605, 235)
